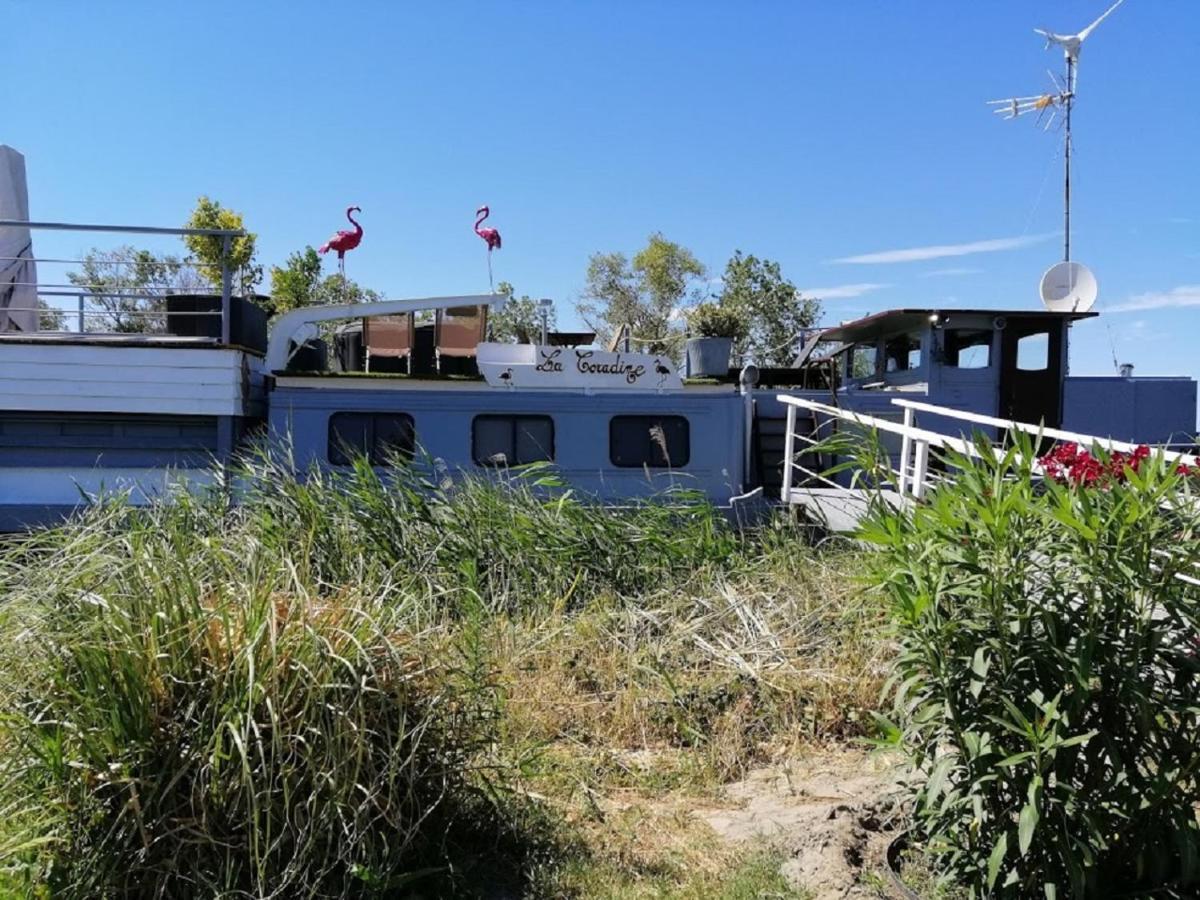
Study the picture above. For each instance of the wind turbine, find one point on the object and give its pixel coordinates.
(1061, 98)
(1072, 44)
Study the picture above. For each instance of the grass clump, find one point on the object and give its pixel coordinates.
(353, 684)
(184, 719)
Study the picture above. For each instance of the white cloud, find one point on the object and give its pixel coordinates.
(959, 270)
(944, 251)
(843, 291)
(1184, 295)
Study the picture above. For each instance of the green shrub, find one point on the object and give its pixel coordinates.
(714, 320)
(1048, 677)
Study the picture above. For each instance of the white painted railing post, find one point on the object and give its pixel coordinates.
(905, 449)
(920, 468)
(789, 448)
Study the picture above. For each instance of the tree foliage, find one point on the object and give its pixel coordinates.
(772, 309)
(299, 283)
(520, 321)
(114, 279)
(208, 250)
(50, 318)
(647, 293)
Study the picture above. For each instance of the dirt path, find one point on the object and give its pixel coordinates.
(832, 814)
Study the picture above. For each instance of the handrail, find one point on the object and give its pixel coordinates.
(1057, 434)
(226, 235)
(125, 229)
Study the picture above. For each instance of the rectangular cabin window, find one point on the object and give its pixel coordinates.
(380, 437)
(968, 348)
(864, 360)
(656, 442)
(512, 440)
(902, 353)
(1033, 352)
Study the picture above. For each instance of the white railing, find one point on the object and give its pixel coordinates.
(912, 476)
(911, 407)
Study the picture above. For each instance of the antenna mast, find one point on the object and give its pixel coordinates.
(1046, 105)
(1068, 100)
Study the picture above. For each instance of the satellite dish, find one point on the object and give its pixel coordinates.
(1069, 287)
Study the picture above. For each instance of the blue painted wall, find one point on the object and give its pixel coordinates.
(442, 419)
(1139, 410)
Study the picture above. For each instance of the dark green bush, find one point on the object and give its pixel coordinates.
(1048, 684)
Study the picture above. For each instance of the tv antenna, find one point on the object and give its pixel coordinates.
(1058, 102)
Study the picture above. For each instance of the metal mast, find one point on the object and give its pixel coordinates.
(1067, 102)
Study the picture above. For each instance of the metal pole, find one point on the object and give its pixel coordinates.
(226, 287)
(81, 313)
(789, 449)
(1067, 161)
(920, 469)
(905, 448)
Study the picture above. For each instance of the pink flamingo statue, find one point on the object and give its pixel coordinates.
(490, 236)
(343, 241)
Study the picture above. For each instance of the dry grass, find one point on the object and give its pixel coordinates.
(692, 686)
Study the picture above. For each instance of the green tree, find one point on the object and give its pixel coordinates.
(124, 285)
(520, 322)
(336, 289)
(50, 318)
(647, 293)
(772, 309)
(299, 283)
(208, 250)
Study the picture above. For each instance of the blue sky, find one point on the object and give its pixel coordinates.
(810, 133)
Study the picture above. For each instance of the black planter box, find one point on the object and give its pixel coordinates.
(247, 320)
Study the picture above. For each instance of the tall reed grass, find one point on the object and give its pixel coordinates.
(316, 691)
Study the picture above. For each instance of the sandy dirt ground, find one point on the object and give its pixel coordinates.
(832, 814)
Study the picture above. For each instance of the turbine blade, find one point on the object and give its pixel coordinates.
(1083, 34)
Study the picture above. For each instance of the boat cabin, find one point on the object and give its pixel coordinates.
(1011, 364)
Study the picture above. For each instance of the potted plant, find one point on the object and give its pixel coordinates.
(713, 328)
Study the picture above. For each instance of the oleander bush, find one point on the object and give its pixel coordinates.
(1048, 682)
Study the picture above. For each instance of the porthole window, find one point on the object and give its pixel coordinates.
(380, 437)
(656, 442)
(512, 440)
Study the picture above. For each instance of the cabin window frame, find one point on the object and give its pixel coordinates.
(649, 459)
(375, 454)
(952, 350)
(893, 352)
(514, 419)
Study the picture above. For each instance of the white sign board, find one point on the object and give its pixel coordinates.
(569, 368)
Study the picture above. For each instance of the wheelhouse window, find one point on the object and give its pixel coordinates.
(380, 437)
(864, 360)
(656, 442)
(498, 440)
(903, 353)
(1033, 352)
(968, 348)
